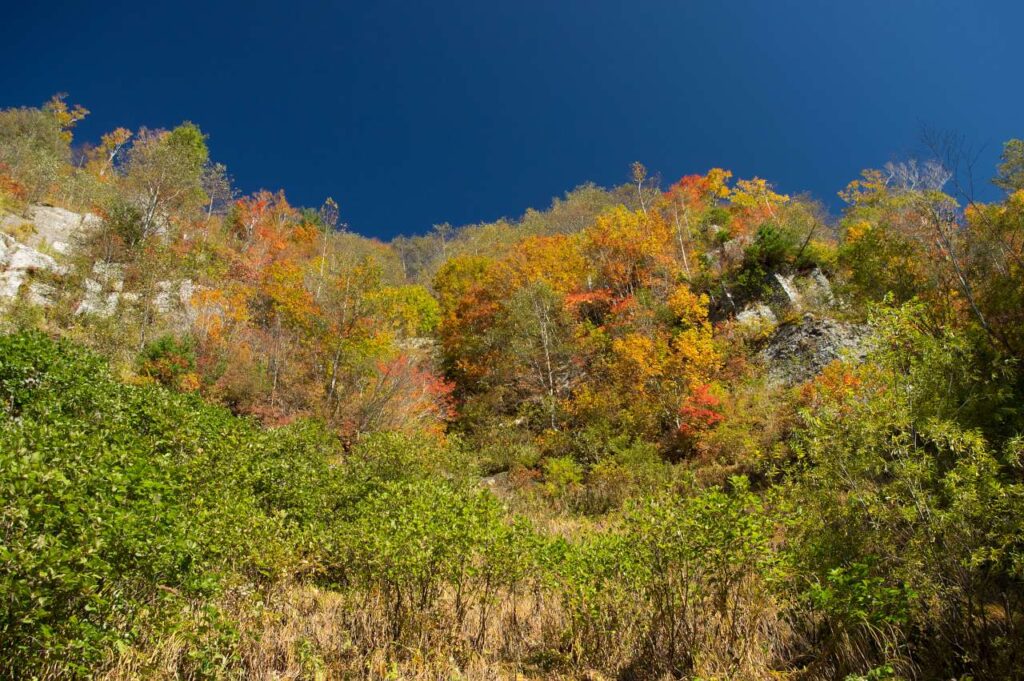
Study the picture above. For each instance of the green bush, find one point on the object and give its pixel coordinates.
(680, 582)
(910, 519)
(118, 504)
(167, 360)
(629, 470)
(562, 477)
(414, 542)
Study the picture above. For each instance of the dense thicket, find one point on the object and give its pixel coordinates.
(560, 445)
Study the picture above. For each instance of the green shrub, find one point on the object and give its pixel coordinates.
(167, 360)
(120, 503)
(629, 470)
(562, 476)
(910, 519)
(682, 583)
(412, 542)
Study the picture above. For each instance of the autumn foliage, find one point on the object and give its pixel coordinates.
(694, 430)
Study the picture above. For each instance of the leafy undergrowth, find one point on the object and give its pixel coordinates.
(147, 534)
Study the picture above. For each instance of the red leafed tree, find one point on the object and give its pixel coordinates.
(404, 395)
(700, 412)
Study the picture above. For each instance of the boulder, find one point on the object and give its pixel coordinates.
(163, 301)
(94, 302)
(175, 298)
(10, 283)
(109, 274)
(43, 295)
(756, 316)
(186, 289)
(30, 260)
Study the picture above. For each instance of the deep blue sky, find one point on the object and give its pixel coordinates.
(415, 113)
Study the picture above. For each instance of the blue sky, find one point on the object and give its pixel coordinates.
(416, 113)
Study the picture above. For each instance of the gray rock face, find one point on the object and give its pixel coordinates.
(802, 292)
(799, 351)
(95, 302)
(45, 228)
(102, 290)
(756, 315)
(823, 286)
(175, 298)
(21, 257)
(109, 274)
(42, 294)
(104, 295)
(10, 284)
(48, 227)
(787, 285)
(59, 228)
(729, 253)
(18, 263)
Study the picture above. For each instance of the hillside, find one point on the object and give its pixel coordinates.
(702, 430)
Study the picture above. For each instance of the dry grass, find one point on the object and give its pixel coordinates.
(300, 631)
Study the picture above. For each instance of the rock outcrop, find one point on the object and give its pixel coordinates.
(104, 294)
(755, 316)
(26, 245)
(18, 263)
(49, 228)
(802, 292)
(799, 351)
(35, 245)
